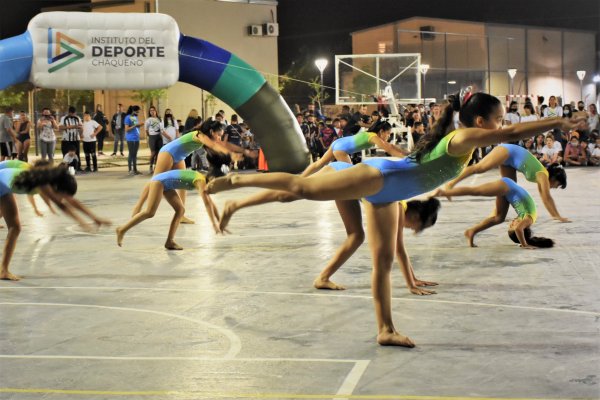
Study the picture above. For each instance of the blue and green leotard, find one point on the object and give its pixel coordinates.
(520, 200)
(7, 178)
(181, 147)
(179, 179)
(354, 144)
(17, 164)
(523, 161)
(406, 178)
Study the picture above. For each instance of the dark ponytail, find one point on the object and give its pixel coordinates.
(382, 126)
(210, 125)
(476, 105)
(540, 242)
(426, 209)
(440, 129)
(59, 178)
(557, 172)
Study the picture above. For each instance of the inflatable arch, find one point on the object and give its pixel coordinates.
(72, 50)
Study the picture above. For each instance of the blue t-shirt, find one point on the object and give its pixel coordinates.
(132, 135)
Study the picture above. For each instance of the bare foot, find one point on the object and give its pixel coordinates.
(186, 220)
(470, 235)
(394, 339)
(7, 276)
(228, 210)
(120, 235)
(321, 283)
(171, 245)
(220, 184)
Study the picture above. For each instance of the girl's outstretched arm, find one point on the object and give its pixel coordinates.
(388, 147)
(469, 138)
(67, 209)
(209, 205)
(32, 202)
(544, 189)
(520, 232)
(79, 206)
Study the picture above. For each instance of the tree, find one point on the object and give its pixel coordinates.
(147, 97)
(319, 94)
(13, 97)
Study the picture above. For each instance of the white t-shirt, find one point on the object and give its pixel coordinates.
(88, 129)
(154, 126)
(529, 118)
(512, 117)
(557, 146)
(596, 152)
(593, 121)
(47, 131)
(550, 112)
(550, 152)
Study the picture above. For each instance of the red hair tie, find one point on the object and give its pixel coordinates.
(467, 97)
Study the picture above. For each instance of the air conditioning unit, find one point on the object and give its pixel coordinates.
(271, 29)
(255, 30)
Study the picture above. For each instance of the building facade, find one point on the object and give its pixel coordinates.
(461, 53)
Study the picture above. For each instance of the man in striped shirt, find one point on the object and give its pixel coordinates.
(71, 128)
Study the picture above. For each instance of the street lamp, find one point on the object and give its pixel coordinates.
(512, 72)
(423, 68)
(581, 75)
(321, 64)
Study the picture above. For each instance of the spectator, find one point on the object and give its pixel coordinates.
(593, 118)
(575, 154)
(553, 109)
(538, 109)
(512, 116)
(23, 137)
(542, 110)
(70, 159)
(567, 111)
(47, 126)
(171, 127)
(418, 131)
(8, 136)
(528, 144)
(180, 127)
(580, 112)
(233, 132)
(436, 113)
(375, 118)
(100, 118)
(155, 131)
(538, 146)
(529, 113)
(595, 156)
(132, 135)
(117, 126)
(70, 125)
(222, 120)
(312, 140)
(358, 117)
(326, 137)
(90, 131)
(550, 154)
(337, 127)
(192, 122)
(424, 116)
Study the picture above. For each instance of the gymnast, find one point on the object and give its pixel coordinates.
(56, 184)
(440, 156)
(172, 155)
(505, 190)
(18, 164)
(166, 184)
(512, 158)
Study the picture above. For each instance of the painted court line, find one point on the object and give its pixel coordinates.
(197, 395)
(328, 295)
(235, 345)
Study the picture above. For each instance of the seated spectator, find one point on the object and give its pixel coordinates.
(538, 146)
(417, 132)
(529, 146)
(595, 155)
(575, 154)
(70, 159)
(550, 154)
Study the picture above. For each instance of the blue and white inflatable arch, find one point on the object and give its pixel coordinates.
(70, 50)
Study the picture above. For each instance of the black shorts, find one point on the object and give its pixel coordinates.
(7, 149)
(23, 137)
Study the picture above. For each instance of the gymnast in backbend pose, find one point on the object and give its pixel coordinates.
(56, 184)
(438, 157)
(172, 155)
(505, 190)
(18, 164)
(416, 215)
(512, 158)
(166, 184)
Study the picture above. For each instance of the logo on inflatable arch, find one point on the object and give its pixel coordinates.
(62, 50)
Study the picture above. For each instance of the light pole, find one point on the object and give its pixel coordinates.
(423, 68)
(581, 75)
(512, 72)
(321, 64)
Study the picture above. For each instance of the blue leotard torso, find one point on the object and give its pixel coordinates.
(7, 177)
(178, 179)
(406, 178)
(523, 161)
(180, 148)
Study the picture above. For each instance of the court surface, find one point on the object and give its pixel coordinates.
(237, 317)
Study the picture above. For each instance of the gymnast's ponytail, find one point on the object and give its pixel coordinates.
(540, 242)
(210, 125)
(382, 126)
(426, 209)
(557, 173)
(441, 128)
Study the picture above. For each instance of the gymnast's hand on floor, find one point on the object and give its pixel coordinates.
(101, 221)
(529, 247)
(563, 219)
(419, 283)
